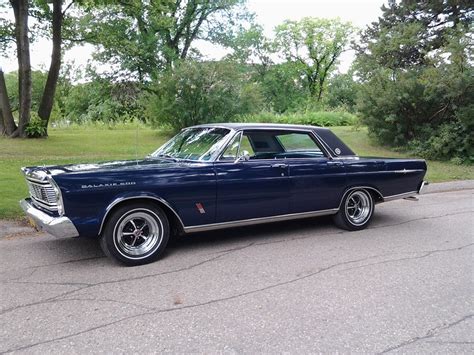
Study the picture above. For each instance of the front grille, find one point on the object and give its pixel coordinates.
(43, 194)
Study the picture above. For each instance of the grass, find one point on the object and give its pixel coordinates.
(86, 144)
(72, 145)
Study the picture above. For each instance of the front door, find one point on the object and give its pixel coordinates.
(248, 185)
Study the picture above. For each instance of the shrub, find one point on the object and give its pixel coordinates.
(429, 110)
(196, 93)
(36, 128)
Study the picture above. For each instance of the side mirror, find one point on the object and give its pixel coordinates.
(244, 156)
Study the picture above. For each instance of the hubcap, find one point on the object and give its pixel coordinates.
(358, 207)
(137, 234)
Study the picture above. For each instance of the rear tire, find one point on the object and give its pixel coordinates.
(135, 234)
(356, 210)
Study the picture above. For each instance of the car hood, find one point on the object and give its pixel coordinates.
(112, 166)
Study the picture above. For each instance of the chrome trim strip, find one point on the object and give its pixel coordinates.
(121, 199)
(48, 206)
(404, 171)
(252, 221)
(58, 226)
(399, 196)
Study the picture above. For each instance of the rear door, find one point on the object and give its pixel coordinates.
(316, 180)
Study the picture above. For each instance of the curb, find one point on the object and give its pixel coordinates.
(449, 186)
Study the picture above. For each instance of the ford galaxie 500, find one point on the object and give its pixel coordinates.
(216, 176)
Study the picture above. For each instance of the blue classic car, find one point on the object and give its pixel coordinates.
(215, 176)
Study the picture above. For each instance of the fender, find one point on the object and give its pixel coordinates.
(136, 196)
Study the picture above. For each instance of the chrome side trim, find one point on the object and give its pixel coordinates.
(57, 226)
(399, 196)
(121, 199)
(252, 221)
(404, 171)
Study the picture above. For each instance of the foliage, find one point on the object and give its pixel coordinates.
(144, 37)
(282, 88)
(342, 92)
(201, 92)
(100, 100)
(38, 79)
(314, 118)
(313, 45)
(418, 79)
(36, 128)
(409, 31)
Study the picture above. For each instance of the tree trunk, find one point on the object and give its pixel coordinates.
(47, 100)
(2, 126)
(20, 9)
(7, 124)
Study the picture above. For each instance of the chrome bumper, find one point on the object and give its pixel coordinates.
(422, 186)
(57, 226)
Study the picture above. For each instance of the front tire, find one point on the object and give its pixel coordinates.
(135, 234)
(356, 210)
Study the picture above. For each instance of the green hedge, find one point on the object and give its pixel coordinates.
(317, 118)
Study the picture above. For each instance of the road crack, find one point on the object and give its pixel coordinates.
(429, 334)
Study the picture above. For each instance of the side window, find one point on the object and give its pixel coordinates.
(245, 145)
(230, 153)
(298, 142)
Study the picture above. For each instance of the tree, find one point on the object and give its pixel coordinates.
(416, 69)
(144, 37)
(49, 18)
(20, 10)
(409, 32)
(7, 124)
(314, 46)
(46, 105)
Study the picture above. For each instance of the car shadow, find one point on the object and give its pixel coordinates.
(88, 249)
(254, 233)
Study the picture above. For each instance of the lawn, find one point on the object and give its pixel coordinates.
(71, 145)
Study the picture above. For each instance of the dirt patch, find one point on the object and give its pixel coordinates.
(16, 229)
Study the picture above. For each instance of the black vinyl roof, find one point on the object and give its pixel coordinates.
(336, 146)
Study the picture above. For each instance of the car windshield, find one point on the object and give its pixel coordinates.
(198, 144)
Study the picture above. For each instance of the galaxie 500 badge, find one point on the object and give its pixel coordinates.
(111, 184)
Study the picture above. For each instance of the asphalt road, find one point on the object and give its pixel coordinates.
(403, 285)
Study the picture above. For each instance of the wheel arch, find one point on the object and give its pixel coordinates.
(173, 217)
(374, 192)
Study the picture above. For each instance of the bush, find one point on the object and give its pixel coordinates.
(196, 93)
(36, 128)
(318, 118)
(428, 110)
(104, 101)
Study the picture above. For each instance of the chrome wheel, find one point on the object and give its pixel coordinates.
(358, 207)
(138, 234)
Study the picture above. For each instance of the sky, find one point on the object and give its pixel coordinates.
(269, 13)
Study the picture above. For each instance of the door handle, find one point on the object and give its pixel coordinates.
(336, 163)
(281, 166)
